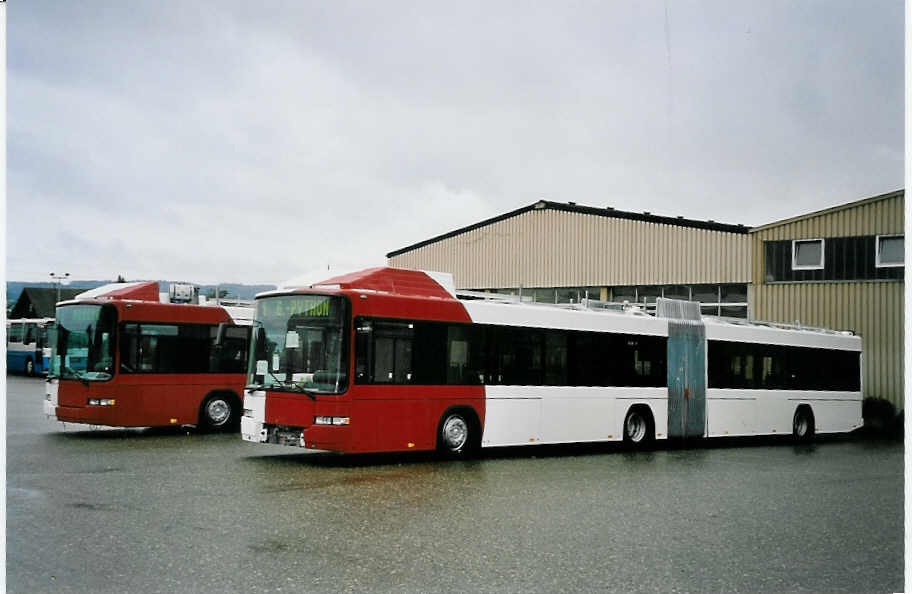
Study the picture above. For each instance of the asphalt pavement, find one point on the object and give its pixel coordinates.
(114, 510)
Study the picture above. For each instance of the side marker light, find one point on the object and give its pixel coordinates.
(173, 421)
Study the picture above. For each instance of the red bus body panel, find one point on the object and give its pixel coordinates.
(147, 399)
(383, 418)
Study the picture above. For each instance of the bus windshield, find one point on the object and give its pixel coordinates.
(299, 344)
(85, 342)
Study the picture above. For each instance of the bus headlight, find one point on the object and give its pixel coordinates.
(332, 420)
(101, 401)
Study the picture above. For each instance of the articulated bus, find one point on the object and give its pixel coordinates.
(123, 358)
(392, 360)
(28, 345)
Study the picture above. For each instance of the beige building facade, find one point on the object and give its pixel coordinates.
(840, 268)
(556, 252)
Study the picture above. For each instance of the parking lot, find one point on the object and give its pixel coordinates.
(173, 511)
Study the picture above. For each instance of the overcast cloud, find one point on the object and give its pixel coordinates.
(245, 142)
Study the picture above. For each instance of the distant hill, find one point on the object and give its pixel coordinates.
(236, 290)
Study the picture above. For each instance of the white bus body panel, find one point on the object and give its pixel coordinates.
(734, 412)
(536, 316)
(523, 415)
(254, 416)
(720, 330)
(50, 398)
(770, 412)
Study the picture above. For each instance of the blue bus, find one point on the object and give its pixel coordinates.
(28, 345)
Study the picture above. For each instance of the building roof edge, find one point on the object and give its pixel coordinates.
(829, 210)
(609, 212)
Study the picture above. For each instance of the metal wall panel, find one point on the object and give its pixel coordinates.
(549, 248)
(872, 309)
(686, 378)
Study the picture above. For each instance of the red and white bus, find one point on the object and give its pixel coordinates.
(123, 358)
(391, 360)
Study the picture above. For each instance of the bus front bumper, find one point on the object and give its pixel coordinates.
(317, 437)
(313, 437)
(90, 415)
(254, 417)
(50, 398)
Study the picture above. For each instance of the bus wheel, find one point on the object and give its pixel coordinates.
(457, 435)
(218, 412)
(803, 424)
(639, 428)
(29, 367)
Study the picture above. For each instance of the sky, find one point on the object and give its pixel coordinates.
(256, 142)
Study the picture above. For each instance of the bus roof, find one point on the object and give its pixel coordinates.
(490, 308)
(396, 281)
(143, 290)
(138, 310)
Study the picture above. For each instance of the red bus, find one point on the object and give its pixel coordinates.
(123, 358)
(391, 360)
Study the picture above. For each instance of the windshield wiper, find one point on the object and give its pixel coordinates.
(284, 384)
(306, 392)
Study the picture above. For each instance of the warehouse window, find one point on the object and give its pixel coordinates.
(807, 254)
(850, 258)
(676, 292)
(622, 294)
(728, 300)
(890, 251)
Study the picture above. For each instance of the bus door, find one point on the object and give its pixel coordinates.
(686, 378)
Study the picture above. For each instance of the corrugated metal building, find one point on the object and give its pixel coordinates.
(840, 268)
(558, 253)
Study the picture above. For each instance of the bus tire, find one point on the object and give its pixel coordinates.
(458, 433)
(803, 424)
(639, 427)
(29, 367)
(219, 412)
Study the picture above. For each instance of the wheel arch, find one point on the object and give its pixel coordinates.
(471, 415)
(645, 409)
(229, 394)
(806, 408)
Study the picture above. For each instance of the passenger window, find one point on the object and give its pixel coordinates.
(129, 348)
(392, 353)
(15, 333)
(231, 355)
(556, 359)
(465, 345)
